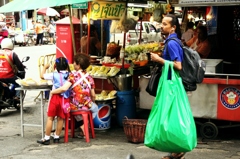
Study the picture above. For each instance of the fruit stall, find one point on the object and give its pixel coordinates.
(110, 73)
(136, 62)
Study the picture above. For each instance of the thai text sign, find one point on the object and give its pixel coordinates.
(107, 10)
(80, 5)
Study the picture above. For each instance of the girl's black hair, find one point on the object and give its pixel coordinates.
(62, 64)
(176, 23)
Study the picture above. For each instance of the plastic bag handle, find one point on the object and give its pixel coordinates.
(168, 65)
(166, 69)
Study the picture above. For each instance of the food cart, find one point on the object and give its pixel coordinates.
(216, 98)
(215, 103)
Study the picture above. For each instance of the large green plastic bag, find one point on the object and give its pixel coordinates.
(170, 126)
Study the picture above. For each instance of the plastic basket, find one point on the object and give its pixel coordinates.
(134, 129)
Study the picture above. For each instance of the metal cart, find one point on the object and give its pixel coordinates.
(218, 97)
(216, 102)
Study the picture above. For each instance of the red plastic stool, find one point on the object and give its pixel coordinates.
(87, 116)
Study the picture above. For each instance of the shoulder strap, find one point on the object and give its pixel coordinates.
(9, 61)
(83, 77)
(175, 39)
(60, 75)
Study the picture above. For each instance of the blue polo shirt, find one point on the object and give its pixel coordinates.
(175, 51)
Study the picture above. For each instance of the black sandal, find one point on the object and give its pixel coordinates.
(44, 141)
(81, 136)
(56, 140)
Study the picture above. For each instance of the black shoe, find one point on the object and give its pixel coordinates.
(44, 142)
(130, 156)
(56, 140)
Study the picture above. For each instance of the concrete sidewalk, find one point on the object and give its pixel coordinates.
(108, 144)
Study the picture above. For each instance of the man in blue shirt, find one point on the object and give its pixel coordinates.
(170, 28)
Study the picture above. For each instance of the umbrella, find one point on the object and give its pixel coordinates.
(48, 12)
(21, 5)
(65, 12)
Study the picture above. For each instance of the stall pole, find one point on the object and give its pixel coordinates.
(140, 35)
(102, 22)
(88, 37)
(81, 25)
(72, 31)
(124, 38)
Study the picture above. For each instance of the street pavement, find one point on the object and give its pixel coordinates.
(108, 144)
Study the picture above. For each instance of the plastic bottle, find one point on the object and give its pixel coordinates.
(122, 53)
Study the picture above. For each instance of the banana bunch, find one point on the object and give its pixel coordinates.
(114, 70)
(26, 82)
(106, 70)
(100, 74)
(112, 93)
(105, 95)
(94, 70)
(89, 68)
(99, 97)
(103, 70)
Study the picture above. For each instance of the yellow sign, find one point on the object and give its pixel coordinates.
(107, 10)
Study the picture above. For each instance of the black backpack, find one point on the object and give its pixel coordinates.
(193, 67)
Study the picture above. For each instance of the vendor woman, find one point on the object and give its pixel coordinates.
(200, 42)
(95, 45)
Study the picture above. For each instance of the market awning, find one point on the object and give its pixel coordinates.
(20, 5)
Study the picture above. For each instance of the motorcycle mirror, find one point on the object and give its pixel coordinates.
(26, 58)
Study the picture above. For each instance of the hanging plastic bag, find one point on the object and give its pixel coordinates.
(170, 126)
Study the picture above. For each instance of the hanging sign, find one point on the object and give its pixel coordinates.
(205, 1)
(80, 5)
(107, 10)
